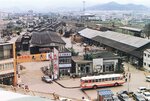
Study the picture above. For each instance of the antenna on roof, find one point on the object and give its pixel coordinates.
(83, 6)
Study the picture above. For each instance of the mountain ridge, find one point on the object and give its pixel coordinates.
(117, 6)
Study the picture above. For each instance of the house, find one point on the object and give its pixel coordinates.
(45, 41)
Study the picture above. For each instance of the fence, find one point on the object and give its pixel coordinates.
(31, 58)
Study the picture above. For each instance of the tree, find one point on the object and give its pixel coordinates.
(147, 30)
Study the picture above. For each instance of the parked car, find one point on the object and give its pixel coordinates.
(130, 93)
(138, 97)
(141, 89)
(115, 98)
(124, 97)
(148, 78)
(47, 79)
(146, 95)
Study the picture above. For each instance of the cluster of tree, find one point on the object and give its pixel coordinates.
(89, 56)
(73, 52)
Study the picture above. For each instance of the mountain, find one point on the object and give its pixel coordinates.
(117, 6)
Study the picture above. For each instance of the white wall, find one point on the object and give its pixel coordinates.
(146, 60)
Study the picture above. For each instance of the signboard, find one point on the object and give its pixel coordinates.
(49, 56)
(64, 65)
(55, 64)
(98, 65)
(64, 54)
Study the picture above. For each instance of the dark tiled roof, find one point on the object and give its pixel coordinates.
(45, 37)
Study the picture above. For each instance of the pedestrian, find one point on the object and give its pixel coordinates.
(83, 98)
(41, 57)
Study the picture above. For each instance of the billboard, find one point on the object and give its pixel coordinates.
(98, 65)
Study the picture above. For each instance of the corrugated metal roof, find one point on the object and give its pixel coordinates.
(115, 36)
(89, 33)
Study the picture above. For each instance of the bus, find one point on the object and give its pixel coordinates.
(101, 81)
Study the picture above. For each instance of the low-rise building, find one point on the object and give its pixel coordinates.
(6, 64)
(101, 63)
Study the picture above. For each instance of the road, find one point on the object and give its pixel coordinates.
(31, 76)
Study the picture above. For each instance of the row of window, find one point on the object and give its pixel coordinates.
(146, 64)
(146, 55)
(102, 80)
(6, 66)
(64, 60)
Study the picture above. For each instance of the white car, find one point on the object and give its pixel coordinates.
(141, 89)
(146, 95)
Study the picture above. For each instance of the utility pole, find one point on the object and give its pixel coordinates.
(15, 65)
(83, 6)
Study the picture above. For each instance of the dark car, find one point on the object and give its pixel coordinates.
(115, 98)
(47, 79)
(124, 97)
(138, 97)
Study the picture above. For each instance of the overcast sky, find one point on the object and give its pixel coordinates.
(43, 4)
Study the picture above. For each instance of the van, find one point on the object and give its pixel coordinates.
(148, 78)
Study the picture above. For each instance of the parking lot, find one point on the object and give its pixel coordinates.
(31, 76)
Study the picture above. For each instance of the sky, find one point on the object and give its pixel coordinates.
(53, 4)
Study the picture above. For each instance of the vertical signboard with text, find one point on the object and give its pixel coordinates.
(55, 64)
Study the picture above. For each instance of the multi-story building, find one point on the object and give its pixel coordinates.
(146, 59)
(6, 64)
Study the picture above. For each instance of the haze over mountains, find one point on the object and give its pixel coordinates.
(117, 6)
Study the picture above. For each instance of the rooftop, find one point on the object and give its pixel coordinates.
(131, 29)
(45, 37)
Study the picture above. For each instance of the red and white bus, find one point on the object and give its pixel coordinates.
(102, 81)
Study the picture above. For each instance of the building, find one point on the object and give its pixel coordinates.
(124, 45)
(65, 63)
(101, 62)
(104, 95)
(45, 41)
(132, 31)
(7, 75)
(146, 59)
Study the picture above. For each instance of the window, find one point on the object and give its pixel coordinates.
(144, 64)
(148, 55)
(149, 65)
(106, 79)
(144, 54)
(113, 79)
(109, 79)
